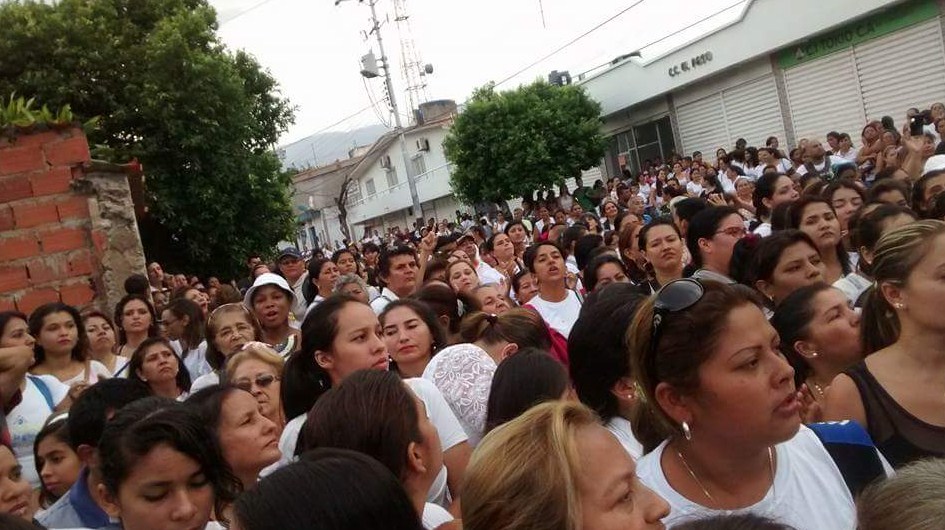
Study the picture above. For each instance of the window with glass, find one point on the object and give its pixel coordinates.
(391, 177)
(647, 142)
(369, 186)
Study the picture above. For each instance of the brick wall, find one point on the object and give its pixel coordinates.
(53, 241)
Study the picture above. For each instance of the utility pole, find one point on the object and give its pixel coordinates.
(411, 183)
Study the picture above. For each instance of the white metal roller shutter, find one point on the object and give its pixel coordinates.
(702, 125)
(752, 111)
(902, 70)
(824, 96)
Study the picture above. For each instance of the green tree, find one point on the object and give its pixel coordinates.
(203, 120)
(509, 144)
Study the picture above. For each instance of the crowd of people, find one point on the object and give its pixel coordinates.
(751, 343)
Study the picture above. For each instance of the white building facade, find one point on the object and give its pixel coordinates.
(786, 68)
(383, 200)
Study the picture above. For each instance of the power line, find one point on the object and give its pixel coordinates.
(245, 11)
(572, 41)
(664, 37)
(323, 129)
(690, 26)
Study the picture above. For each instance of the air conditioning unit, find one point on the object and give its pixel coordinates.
(385, 162)
(423, 144)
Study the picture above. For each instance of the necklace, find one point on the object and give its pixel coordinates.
(702, 486)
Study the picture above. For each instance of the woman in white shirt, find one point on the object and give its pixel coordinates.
(41, 396)
(152, 442)
(463, 372)
(721, 419)
(372, 406)
(62, 347)
(103, 342)
(558, 305)
(598, 362)
(340, 337)
(229, 328)
(184, 323)
(156, 364)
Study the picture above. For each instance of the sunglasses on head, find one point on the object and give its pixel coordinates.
(674, 297)
(262, 381)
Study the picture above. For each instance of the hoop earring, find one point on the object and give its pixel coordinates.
(687, 432)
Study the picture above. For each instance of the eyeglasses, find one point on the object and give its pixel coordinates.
(262, 381)
(674, 297)
(737, 232)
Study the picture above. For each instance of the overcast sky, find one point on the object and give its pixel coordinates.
(313, 48)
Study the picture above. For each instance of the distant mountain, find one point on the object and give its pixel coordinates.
(324, 148)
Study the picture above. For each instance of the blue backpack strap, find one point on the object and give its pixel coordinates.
(853, 451)
(43, 389)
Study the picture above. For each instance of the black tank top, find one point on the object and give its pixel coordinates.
(899, 435)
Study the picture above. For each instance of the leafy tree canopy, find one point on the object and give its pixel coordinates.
(200, 118)
(509, 144)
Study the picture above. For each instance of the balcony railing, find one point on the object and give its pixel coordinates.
(432, 184)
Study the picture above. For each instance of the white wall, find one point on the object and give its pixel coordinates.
(431, 185)
(766, 26)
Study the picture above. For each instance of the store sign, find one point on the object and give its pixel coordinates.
(873, 26)
(691, 64)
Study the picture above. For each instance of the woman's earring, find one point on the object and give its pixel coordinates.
(687, 432)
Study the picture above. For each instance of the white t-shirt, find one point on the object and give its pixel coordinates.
(448, 428)
(387, 296)
(694, 189)
(849, 156)
(488, 275)
(621, 428)
(763, 230)
(27, 419)
(204, 381)
(90, 375)
(298, 302)
(853, 285)
(559, 315)
(808, 493)
(825, 166)
(196, 359)
(122, 364)
(434, 515)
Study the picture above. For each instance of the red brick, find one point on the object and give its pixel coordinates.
(21, 160)
(17, 247)
(35, 298)
(80, 263)
(63, 239)
(100, 240)
(13, 278)
(71, 151)
(7, 303)
(45, 270)
(78, 294)
(77, 172)
(15, 188)
(6, 218)
(29, 140)
(74, 208)
(56, 180)
(32, 214)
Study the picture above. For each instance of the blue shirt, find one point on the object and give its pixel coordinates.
(77, 509)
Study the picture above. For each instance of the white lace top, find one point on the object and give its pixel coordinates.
(463, 373)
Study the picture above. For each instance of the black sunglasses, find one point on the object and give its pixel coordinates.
(262, 381)
(675, 296)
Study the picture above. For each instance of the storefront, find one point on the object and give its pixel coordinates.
(792, 70)
(877, 66)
